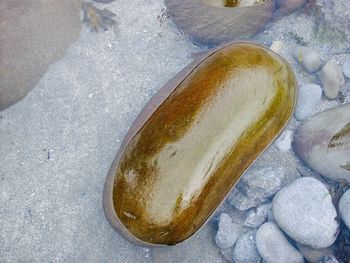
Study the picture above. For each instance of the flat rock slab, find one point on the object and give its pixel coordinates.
(34, 34)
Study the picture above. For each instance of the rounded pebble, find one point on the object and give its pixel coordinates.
(274, 247)
(313, 255)
(331, 78)
(329, 259)
(227, 233)
(305, 212)
(245, 249)
(309, 97)
(284, 142)
(346, 68)
(309, 59)
(344, 208)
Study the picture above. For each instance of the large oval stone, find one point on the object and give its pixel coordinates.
(194, 139)
(323, 143)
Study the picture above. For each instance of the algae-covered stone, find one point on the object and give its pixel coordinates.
(194, 139)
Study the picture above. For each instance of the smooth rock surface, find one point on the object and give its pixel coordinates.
(34, 34)
(346, 68)
(245, 249)
(344, 208)
(332, 79)
(227, 233)
(313, 255)
(326, 148)
(255, 187)
(257, 216)
(309, 97)
(308, 58)
(274, 247)
(305, 212)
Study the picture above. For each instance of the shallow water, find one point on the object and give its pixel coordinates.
(58, 142)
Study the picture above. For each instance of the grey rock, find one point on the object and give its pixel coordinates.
(332, 79)
(245, 249)
(309, 96)
(305, 212)
(30, 44)
(313, 255)
(256, 217)
(326, 148)
(227, 233)
(255, 187)
(346, 68)
(329, 259)
(344, 208)
(309, 59)
(274, 247)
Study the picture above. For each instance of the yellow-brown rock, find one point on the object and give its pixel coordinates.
(194, 139)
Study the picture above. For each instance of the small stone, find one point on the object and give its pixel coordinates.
(344, 208)
(274, 247)
(332, 79)
(329, 259)
(276, 46)
(228, 232)
(305, 212)
(346, 68)
(322, 143)
(255, 187)
(256, 217)
(284, 142)
(313, 255)
(309, 59)
(245, 249)
(308, 98)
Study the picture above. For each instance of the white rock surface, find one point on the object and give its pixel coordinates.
(332, 79)
(277, 46)
(274, 247)
(309, 59)
(344, 208)
(255, 187)
(284, 142)
(245, 249)
(309, 96)
(305, 212)
(346, 68)
(313, 255)
(227, 233)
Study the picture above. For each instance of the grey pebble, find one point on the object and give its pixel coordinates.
(245, 250)
(227, 233)
(274, 247)
(329, 259)
(346, 68)
(305, 212)
(344, 208)
(255, 187)
(309, 59)
(309, 97)
(313, 255)
(256, 217)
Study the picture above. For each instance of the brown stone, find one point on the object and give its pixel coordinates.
(34, 33)
(194, 139)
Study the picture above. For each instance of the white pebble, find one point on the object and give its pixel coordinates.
(228, 232)
(284, 142)
(276, 46)
(331, 79)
